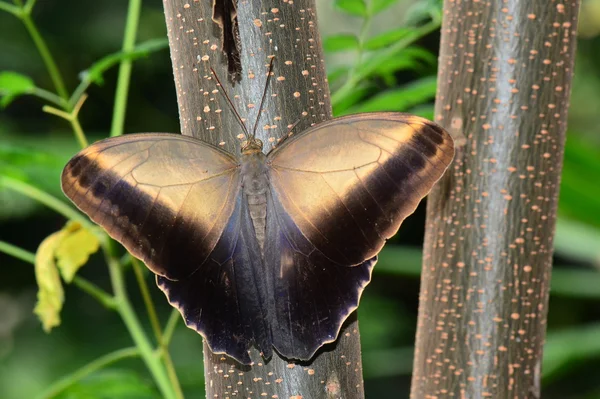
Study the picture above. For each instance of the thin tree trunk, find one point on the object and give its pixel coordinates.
(504, 83)
(237, 40)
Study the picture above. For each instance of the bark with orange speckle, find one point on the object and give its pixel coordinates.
(504, 81)
(202, 37)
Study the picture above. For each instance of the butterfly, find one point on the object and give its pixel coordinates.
(272, 251)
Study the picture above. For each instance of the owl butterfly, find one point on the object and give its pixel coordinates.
(267, 250)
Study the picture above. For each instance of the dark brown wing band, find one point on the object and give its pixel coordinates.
(165, 197)
(349, 183)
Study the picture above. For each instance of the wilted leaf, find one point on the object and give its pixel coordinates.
(340, 43)
(94, 73)
(72, 247)
(387, 38)
(12, 85)
(75, 249)
(353, 7)
(380, 5)
(50, 292)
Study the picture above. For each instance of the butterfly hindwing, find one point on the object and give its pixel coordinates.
(348, 183)
(226, 299)
(167, 198)
(312, 295)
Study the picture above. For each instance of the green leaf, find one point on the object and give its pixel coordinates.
(577, 241)
(353, 7)
(334, 76)
(75, 249)
(13, 85)
(567, 281)
(565, 347)
(110, 384)
(424, 111)
(340, 43)
(401, 99)
(423, 10)
(386, 39)
(579, 196)
(410, 58)
(379, 5)
(50, 292)
(341, 108)
(32, 158)
(95, 72)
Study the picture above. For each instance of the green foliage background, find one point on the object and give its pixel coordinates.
(381, 55)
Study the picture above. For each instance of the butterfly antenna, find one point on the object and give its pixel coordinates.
(262, 100)
(230, 103)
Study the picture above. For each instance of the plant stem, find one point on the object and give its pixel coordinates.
(72, 117)
(29, 6)
(16, 11)
(107, 300)
(131, 26)
(170, 327)
(71, 379)
(151, 309)
(81, 139)
(134, 327)
(44, 198)
(102, 296)
(75, 121)
(17, 252)
(364, 31)
(49, 96)
(45, 54)
(371, 65)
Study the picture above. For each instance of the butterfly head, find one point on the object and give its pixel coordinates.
(251, 146)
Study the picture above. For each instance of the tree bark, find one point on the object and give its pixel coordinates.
(237, 40)
(505, 72)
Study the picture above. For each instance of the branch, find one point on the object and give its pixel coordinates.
(298, 92)
(504, 84)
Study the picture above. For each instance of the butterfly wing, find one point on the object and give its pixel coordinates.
(312, 295)
(167, 198)
(339, 190)
(226, 300)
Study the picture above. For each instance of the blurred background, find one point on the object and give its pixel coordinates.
(37, 145)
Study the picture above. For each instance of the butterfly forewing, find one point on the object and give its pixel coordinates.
(348, 183)
(167, 198)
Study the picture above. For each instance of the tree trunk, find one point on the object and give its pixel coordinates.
(237, 40)
(504, 83)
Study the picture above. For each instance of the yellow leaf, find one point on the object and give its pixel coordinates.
(74, 250)
(50, 291)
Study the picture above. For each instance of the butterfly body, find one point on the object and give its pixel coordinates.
(271, 251)
(255, 186)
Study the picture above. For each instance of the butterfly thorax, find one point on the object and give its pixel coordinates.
(255, 186)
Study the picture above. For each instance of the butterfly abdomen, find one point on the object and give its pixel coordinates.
(255, 186)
